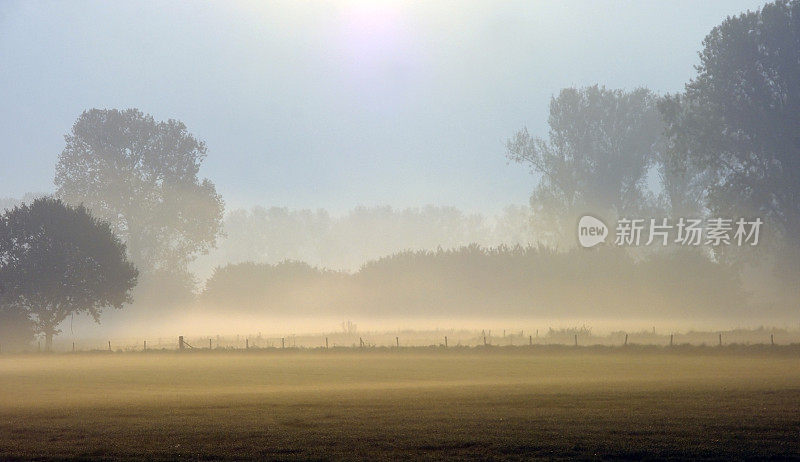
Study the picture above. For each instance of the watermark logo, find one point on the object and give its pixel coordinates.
(591, 231)
(683, 231)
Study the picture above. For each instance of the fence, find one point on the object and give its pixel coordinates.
(436, 339)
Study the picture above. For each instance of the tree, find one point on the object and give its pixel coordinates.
(16, 328)
(683, 184)
(56, 261)
(478, 281)
(738, 121)
(141, 176)
(513, 226)
(737, 126)
(601, 144)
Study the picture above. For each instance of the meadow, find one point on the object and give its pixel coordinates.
(510, 403)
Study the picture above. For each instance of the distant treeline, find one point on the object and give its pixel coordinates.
(275, 234)
(472, 280)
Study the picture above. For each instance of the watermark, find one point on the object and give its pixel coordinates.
(663, 231)
(591, 231)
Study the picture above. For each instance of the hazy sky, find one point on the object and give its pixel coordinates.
(312, 104)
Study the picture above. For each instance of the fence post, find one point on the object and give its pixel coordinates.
(576, 339)
(209, 344)
(73, 347)
(720, 339)
(670, 339)
(361, 342)
(626, 340)
(246, 343)
(530, 340)
(109, 344)
(445, 341)
(283, 342)
(326, 343)
(145, 345)
(484, 340)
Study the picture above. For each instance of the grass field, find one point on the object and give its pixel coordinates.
(415, 404)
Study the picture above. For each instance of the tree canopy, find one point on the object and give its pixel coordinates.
(485, 282)
(142, 177)
(738, 122)
(56, 261)
(600, 147)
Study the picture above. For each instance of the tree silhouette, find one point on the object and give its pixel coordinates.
(738, 122)
(485, 282)
(140, 176)
(56, 260)
(601, 144)
(16, 328)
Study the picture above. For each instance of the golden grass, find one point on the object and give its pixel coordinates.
(408, 404)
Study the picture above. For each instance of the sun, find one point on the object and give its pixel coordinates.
(372, 34)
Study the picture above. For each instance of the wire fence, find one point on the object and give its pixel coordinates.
(580, 337)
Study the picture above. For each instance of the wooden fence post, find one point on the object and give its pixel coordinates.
(445, 341)
(397, 341)
(246, 343)
(73, 347)
(109, 345)
(670, 339)
(772, 339)
(576, 339)
(283, 342)
(484, 340)
(626, 340)
(361, 342)
(145, 345)
(209, 344)
(530, 340)
(720, 339)
(326, 343)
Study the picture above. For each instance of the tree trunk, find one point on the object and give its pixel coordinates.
(48, 341)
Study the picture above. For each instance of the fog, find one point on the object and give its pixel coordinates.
(276, 169)
(340, 104)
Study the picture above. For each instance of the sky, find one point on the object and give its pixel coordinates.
(334, 104)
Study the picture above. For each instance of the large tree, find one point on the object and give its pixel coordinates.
(16, 328)
(141, 176)
(738, 121)
(56, 261)
(601, 144)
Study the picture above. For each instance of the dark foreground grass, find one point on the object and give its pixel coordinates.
(411, 405)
